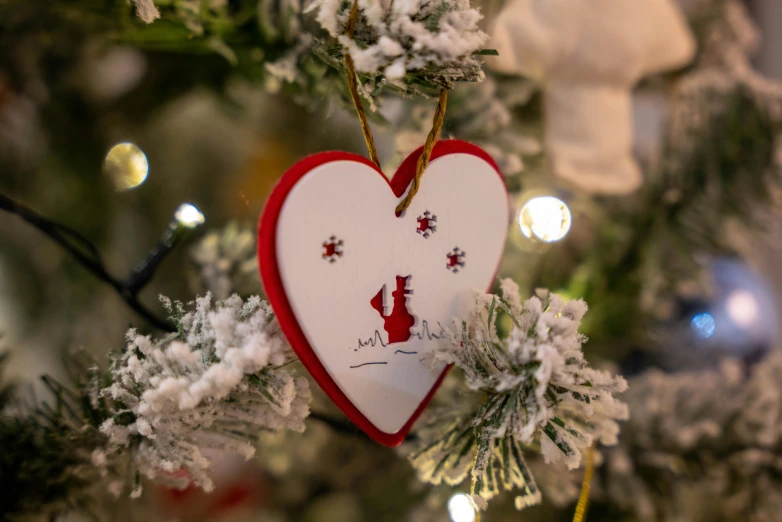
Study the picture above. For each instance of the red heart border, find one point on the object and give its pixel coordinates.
(275, 291)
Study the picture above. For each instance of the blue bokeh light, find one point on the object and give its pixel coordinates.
(703, 325)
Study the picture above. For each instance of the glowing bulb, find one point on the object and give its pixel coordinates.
(189, 216)
(460, 508)
(703, 325)
(743, 308)
(126, 166)
(545, 218)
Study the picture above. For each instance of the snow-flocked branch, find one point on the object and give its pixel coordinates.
(410, 46)
(401, 37)
(701, 445)
(216, 383)
(538, 389)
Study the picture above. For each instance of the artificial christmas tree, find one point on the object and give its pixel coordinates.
(114, 113)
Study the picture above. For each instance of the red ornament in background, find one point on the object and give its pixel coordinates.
(239, 488)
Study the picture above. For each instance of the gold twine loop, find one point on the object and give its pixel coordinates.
(353, 88)
(431, 139)
(423, 159)
(586, 484)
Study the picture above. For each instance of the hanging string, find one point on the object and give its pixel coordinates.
(353, 88)
(423, 160)
(431, 139)
(586, 484)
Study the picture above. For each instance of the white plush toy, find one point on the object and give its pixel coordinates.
(588, 55)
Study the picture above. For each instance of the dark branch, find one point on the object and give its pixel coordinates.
(345, 426)
(86, 254)
(338, 425)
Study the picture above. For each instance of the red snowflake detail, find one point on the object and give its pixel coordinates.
(332, 249)
(427, 224)
(455, 260)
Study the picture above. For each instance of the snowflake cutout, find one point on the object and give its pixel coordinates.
(332, 249)
(427, 224)
(455, 260)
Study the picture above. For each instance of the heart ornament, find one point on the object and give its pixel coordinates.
(361, 293)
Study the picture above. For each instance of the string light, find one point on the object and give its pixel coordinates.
(189, 216)
(186, 218)
(460, 508)
(126, 166)
(545, 218)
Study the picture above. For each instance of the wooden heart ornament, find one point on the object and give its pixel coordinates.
(360, 292)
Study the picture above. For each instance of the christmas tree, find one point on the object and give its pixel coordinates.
(164, 354)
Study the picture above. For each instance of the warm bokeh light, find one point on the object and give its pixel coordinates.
(545, 218)
(460, 508)
(126, 166)
(189, 216)
(742, 308)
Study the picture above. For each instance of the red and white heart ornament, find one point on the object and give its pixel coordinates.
(360, 292)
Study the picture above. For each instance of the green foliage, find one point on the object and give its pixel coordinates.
(45, 465)
(718, 168)
(451, 455)
(98, 433)
(537, 393)
(721, 163)
(246, 34)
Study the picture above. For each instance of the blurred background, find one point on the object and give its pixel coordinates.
(108, 126)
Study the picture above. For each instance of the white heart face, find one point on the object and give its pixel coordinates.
(370, 290)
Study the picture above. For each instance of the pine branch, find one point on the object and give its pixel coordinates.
(707, 447)
(539, 392)
(218, 382)
(45, 464)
